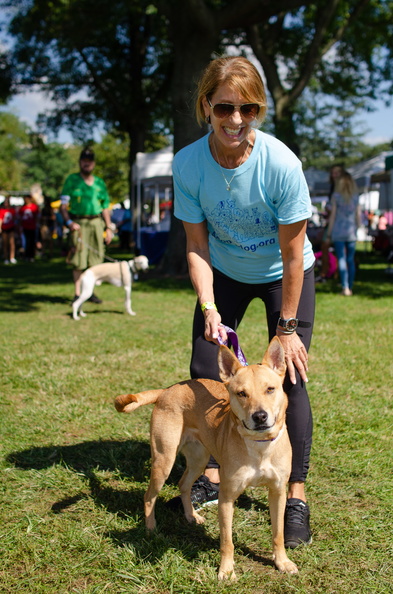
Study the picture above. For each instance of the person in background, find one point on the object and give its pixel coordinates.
(47, 227)
(85, 210)
(7, 230)
(244, 203)
(121, 217)
(28, 216)
(345, 219)
(335, 173)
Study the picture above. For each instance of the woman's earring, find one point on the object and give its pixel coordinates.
(207, 119)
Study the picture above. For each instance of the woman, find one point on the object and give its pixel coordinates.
(244, 203)
(343, 225)
(335, 173)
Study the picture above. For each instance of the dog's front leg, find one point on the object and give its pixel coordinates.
(277, 501)
(225, 515)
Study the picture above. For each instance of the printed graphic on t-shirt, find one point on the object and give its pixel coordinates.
(7, 218)
(235, 225)
(27, 215)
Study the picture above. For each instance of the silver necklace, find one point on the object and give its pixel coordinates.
(228, 183)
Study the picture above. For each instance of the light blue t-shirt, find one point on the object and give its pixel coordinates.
(268, 189)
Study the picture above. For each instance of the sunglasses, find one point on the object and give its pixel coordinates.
(225, 110)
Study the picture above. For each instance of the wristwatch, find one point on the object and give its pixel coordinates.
(288, 326)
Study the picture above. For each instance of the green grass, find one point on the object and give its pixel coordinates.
(74, 471)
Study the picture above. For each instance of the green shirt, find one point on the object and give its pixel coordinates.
(82, 199)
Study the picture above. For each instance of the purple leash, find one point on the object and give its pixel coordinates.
(233, 342)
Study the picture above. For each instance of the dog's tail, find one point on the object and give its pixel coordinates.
(129, 402)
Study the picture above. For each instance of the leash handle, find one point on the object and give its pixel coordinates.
(233, 342)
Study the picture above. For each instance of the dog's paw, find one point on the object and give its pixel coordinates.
(82, 314)
(286, 566)
(227, 575)
(199, 519)
(194, 517)
(131, 313)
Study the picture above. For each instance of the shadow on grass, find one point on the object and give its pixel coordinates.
(17, 284)
(126, 457)
(129, 459)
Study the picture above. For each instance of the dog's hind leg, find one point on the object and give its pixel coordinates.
(87, 288)
(197, 457)
(164, 450)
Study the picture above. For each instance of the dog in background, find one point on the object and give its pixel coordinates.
(241, 422)
(116, 273)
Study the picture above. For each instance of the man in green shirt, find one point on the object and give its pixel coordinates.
(85, 210)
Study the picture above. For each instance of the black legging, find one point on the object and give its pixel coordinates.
(232, 299)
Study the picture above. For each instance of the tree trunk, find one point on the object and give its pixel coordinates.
(284, 128)
(195, 38)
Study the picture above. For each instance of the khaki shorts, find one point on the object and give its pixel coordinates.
(87, 244)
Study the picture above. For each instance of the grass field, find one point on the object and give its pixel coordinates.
(74, 471)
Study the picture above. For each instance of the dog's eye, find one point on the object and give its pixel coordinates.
(270, 390)
(241, 394)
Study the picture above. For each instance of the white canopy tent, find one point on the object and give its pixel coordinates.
(370, 199)
(152, 175)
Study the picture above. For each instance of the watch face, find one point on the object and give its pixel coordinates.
(291, 324)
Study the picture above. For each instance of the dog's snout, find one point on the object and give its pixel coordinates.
(260, 417)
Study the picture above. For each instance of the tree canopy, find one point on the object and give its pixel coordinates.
(98, 61)
(342, 48)
(133, 65)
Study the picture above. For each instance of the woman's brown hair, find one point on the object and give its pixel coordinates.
(346, 186)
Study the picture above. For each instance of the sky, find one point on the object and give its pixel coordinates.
(28, 106)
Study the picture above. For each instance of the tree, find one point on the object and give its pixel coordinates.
(47, 165)
(342, 48)
(99, 61)
(327, 130)
(13, 136)
(5, 77)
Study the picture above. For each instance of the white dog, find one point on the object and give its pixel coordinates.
(116, 273)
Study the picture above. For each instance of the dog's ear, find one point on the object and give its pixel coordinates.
(275, 357)
(227, 363)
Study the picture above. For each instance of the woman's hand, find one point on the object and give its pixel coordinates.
(213, 326)
(295, 355)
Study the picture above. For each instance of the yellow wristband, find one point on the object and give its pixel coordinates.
(208, 305)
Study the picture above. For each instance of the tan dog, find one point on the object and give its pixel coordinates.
(116, 273)
(241, 422)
